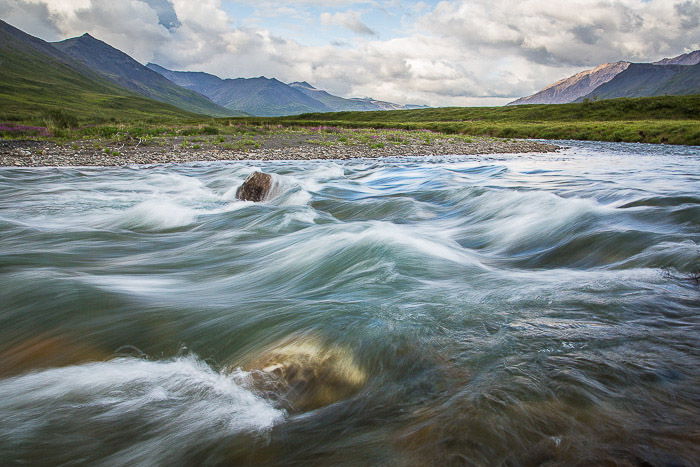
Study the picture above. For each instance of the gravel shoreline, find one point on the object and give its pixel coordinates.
(38, 153)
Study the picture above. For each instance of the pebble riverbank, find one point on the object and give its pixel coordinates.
(42, 153)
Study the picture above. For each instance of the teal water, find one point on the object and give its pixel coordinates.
(501, 310)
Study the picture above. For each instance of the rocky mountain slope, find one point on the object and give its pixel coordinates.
(571, 88)
(691, 58)
(623, 79)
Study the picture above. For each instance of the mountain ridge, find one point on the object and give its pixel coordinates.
(648, 80)
(38, 79)
(261, 96)
(270, 97)
(120, 68)
(612, 80)
(569, 89)
(690, 58)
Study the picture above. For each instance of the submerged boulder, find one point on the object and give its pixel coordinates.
(305, 373)
(48, 350)
(256, 187)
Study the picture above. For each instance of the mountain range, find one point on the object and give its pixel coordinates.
(269, 97)
(38, 76)
(123, 70)
(86, 77)
(340, 104)
(264, 97)
(37, 79)
(673, 76)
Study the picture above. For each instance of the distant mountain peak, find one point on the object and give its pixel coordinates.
(576, 86)
(302, 84)
(119, 68)
(674, 76)
(268, 97)
(592, 71)
(690, 58)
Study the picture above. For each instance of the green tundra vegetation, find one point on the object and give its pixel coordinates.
(666, 119)
(28, 96)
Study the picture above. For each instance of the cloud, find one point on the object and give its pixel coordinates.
(348, 19)
(689, 12)
(166, 13)
(30, 16)
(572, 32)
(455, 52)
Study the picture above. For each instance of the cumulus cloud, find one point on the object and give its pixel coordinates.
(456, 52)
(30, 16)
(348, 19)
(572, 32)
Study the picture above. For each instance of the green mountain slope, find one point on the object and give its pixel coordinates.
(120, 68)
(36, 78)
(647, 80)
(684, 83)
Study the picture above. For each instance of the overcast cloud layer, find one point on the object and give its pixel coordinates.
(454, 52)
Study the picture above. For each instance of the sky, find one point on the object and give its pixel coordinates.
(437, 53)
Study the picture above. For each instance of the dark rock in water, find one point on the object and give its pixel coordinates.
(255, 188)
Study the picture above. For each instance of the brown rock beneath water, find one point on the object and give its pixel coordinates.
(305, 373)
(47, 351)
(256, 187)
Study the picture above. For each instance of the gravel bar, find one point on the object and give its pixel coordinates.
(42, 153)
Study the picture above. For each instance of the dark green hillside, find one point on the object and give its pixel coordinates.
(36, 79)
(689, 78)
(645, 80)
(127, 72)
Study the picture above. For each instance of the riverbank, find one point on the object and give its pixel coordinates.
(298, 145)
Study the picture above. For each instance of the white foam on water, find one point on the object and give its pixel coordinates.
(134, 284)
(295, 198)
(174, 405)
(154, 215)
(510, 217)
(314, 179)
(307, 216)
(328, 241)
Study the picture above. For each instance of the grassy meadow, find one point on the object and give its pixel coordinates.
(667, 119)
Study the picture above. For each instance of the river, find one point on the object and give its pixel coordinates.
(464, 310)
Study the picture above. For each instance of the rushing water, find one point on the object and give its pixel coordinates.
(479, 310)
